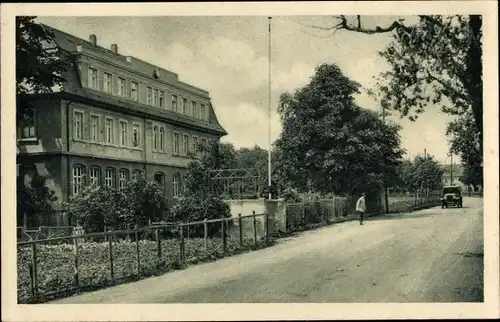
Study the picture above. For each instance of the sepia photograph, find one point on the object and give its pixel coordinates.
(250, 158)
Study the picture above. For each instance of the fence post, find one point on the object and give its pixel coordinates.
(240, 230)
(223, 222)
(158, 244)
(137, 249)
(205, 233)
(181, 242)
(254, 228)
(111, 268)
(75, 252)
(34, 280)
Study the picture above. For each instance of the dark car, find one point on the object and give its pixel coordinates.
(451, 195)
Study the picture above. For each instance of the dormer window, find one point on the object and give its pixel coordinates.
(92, 80)
(108, 83)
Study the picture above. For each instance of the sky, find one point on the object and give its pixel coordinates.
(228, 56)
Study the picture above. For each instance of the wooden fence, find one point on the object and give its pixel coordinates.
(51, 267)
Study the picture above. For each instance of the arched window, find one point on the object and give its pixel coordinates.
(162, 138)
(136, 174)
(176, 182)
(160, 178)
(122, 178)
(155, 138)
(109, 177)
(78, 178)
(95, 176)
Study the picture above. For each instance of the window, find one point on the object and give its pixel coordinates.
(160, 178)
(134, 91)
(155, 97)
(174, 103)
(155, 138)
(150, 96)
(27, 124)
(136, 129)
(109, 130)
(185, 106)
(123, 133)
(122, 178)
(202, 112)
(94, 128)
(108, 177)
(185, 145)
(162, 99)
(94, 175)
(193, 109)
(136, 174)
(162, 138)
(78, 172)
(195, 145)
(78, 129)
(92, 80)
(107, 82)
(204, 143)
(121, 86)
(176, 143)
(176, 184)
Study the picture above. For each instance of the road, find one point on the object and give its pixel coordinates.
(433, 255)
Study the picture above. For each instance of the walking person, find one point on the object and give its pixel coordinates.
(361, 207)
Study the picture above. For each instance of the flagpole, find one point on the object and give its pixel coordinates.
(269, 111)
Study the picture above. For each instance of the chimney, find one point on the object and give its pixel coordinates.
(93, 39)
(114, 48)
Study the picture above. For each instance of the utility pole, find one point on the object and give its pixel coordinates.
(269, 111)
(451, 168)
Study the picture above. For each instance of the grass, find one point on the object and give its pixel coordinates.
(56, 263)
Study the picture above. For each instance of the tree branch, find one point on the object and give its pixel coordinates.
(344, 25)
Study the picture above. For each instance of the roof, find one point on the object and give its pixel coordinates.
(69, 43)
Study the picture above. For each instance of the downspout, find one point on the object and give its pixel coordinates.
(68, 168)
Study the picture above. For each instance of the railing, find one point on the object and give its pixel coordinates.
(411, 202)
(52, 267)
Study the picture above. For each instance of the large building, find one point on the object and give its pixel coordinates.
(115, 117)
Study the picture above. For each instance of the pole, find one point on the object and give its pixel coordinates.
(269, 150)
(451, 168)
(386, 194)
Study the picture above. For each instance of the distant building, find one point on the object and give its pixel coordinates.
(453, 178)
(116, 117)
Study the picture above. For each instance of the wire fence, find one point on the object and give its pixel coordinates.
(299, 215)
(54, 267)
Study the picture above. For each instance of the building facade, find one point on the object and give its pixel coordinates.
(116, 117)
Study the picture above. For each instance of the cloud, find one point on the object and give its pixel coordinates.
(298, 75)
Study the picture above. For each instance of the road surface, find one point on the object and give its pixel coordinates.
(433, 255)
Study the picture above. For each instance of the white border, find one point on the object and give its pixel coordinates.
(490, 308)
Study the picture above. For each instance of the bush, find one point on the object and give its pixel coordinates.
(138, 203)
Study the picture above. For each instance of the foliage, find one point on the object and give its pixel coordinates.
(35, 201)
(329, 144)
(465, 142)
(98, 207)
(199, 200)
(421, 173)
(39, 66)
(438, 61)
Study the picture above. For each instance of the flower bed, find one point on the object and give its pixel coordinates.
(56, 272)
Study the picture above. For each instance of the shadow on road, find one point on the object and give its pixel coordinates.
(403, 216)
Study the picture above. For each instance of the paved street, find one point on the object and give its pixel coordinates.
(434, 255)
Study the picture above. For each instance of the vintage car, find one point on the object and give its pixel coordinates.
(451, 195)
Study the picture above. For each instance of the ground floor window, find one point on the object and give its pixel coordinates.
(94, 176)
(123, 178)
(108, 178)
(78, 173)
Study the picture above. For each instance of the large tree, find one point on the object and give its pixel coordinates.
(328, 143)
(424, 172)
(438, 61)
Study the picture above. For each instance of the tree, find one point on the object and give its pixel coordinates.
(328, 143)
(34, 201)
(199, 200)
(423, 173)
(438, 60)
(39, 66)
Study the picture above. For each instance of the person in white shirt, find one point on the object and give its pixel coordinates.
(361, 207)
